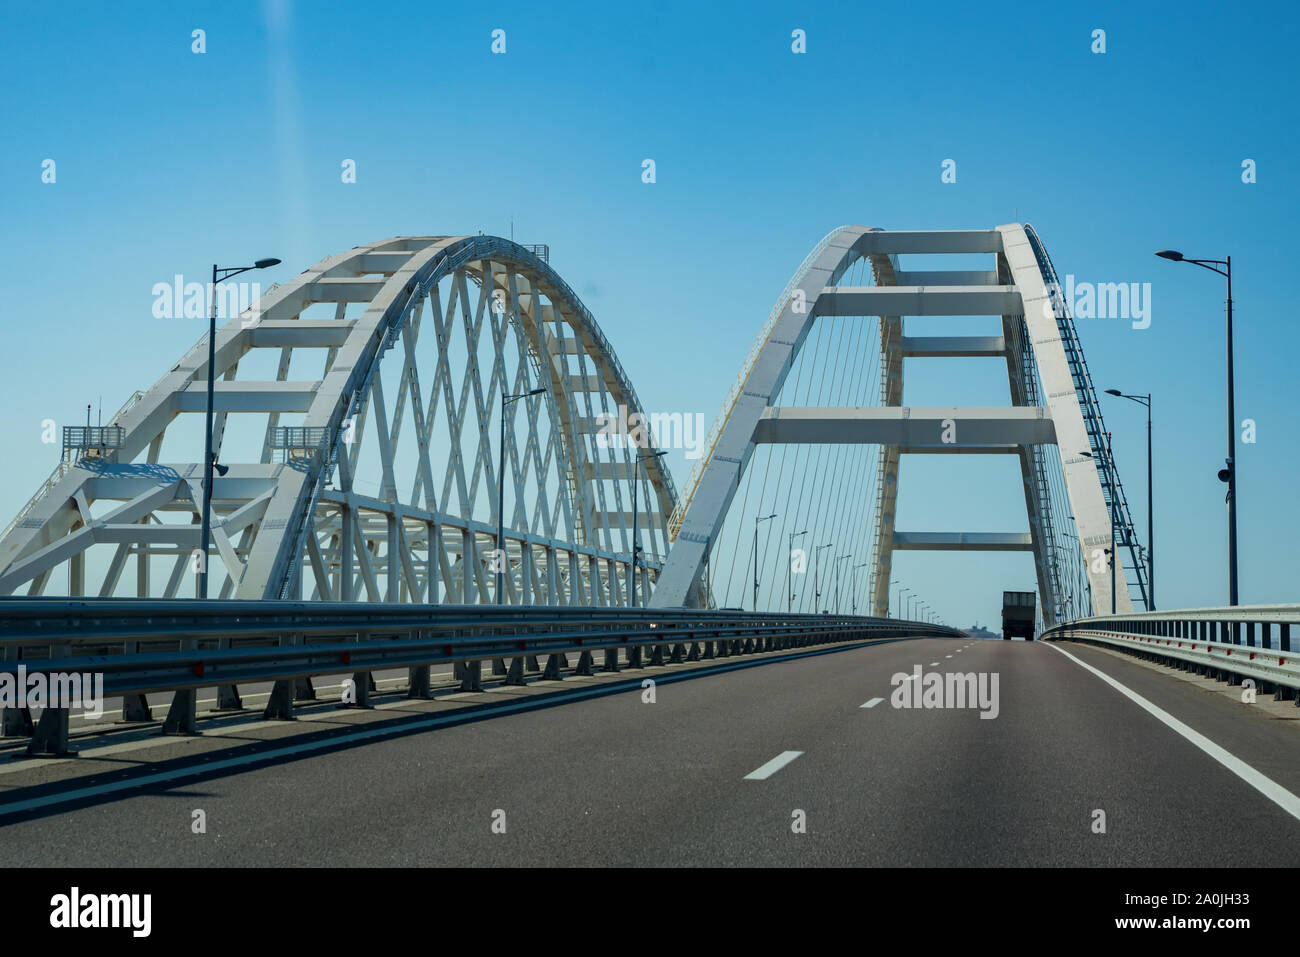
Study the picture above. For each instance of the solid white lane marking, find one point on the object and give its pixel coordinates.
(776, 764)
(872, 703)
(1261, 783)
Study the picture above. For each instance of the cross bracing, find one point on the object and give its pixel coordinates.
(358, 417)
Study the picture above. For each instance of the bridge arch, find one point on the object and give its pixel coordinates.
(1053, 404)
(452, 323)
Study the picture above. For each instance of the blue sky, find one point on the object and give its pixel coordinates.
(168, 161)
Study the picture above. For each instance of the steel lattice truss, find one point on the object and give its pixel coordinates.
(1052, 425)
(358, 413)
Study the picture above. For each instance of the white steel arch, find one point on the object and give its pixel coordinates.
(460, 320)
(1052, 404)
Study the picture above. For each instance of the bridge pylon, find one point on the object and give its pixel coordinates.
(1052, 426)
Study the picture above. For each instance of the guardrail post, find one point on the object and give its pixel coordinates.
(228, 699)
(515, 676)
(362, 685)
(611, 660)
(656, 656)
(499, 666)
(16, 722)
(279, 706)
(694, 653)
(471, 676)
(530, 664)
(708, 651)
(51, 736)
(553, 664)
(303, 689)
(679, 654)
(1282, 692)
(634, 656)
(181, 716)
(135, 707)
(584, 667)
(418, 685)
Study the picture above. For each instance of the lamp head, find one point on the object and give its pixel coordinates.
(264, 263)
(1171, 254)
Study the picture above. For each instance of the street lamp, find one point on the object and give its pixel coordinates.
(901, 613)
(219, 274)
(1114, 544)
(855, 584)
(500, 557)
(636, 539)
(757, 519)
(817, 564)
(1145, 400)
(1229, 474)
(838, 562)
(789, 579)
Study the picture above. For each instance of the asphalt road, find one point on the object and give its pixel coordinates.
(617, 781)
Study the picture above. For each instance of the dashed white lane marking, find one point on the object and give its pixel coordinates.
(872, 703)
(1264, 785)
(934, 664)
(947, 656)
(776, 764)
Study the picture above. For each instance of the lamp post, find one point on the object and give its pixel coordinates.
(789, 578)
(892, 581)
(901, 613)
(1114, 545)
(1145, 400)
(817, 564)
(636, 538)
(500, 557)
(838, 562)
(219, 274)
(855, 584)
(1227, 475)
(757, 519)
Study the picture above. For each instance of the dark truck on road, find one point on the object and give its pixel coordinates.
(1018, 614)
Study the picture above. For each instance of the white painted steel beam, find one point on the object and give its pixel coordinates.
(904, 426)
(918, 301)
(948, 347)
(963, 541)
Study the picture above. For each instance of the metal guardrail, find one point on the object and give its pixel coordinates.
(92, 438)
(149, 646)
(1232, 644)
(60, 470)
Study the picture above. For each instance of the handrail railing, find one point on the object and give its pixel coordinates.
(1232, 643)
